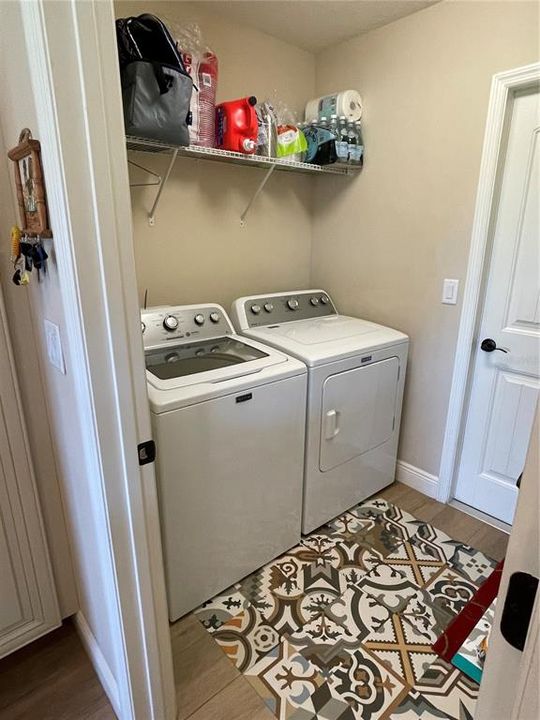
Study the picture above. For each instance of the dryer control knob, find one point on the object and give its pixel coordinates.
(268, 307)
(293, 304)
(314, 301)
(199, 319)
(170, 323)
(255, 309)
(214, 317)
(325, 299)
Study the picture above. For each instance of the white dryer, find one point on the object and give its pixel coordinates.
(356, 374)
(228, 418)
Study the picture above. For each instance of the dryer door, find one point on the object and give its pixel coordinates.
(358, 411)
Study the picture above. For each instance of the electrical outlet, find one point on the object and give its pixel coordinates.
(54, 346)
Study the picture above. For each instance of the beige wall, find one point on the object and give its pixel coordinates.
(16, 111)
(197, 250)
(383, 243)
(27, 351)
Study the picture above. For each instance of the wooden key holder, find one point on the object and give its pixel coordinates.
(30, 185)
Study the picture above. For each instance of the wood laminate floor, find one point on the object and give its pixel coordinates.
(52, 679)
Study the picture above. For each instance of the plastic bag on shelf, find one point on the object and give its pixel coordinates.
(202, 64)
(280, 135)
(267, 134)
(291, 143)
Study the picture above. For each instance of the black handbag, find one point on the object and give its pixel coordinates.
(156, 88)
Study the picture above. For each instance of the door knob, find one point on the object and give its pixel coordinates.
(518, 608)
(489, 345)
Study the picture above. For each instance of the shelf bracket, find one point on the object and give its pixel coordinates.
(157, 177)
(152, 213)
(256, 194)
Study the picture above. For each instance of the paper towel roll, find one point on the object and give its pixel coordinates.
(347, 103)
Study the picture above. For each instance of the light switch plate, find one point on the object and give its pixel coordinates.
(450, 291)
(54, 346)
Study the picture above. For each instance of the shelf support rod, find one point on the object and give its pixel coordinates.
(256, 194)
(146, 170)
(152, 213)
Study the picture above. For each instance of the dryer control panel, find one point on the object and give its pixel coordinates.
(161, 325)
(263, 310)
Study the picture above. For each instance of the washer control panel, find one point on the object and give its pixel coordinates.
(274, 309)
(162, 325)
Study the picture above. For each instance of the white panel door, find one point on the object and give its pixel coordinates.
(28, 604)
(358, 411)
(506, 380)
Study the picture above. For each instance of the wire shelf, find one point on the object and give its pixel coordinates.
(234, 158)
(224, 156)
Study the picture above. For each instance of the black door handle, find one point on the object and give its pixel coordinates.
(489, 345)
(518, 608)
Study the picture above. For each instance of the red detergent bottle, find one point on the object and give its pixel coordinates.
(236, 125)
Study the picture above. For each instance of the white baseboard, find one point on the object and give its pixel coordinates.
(101, 666)
(416, 478)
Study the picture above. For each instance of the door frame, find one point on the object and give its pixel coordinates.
(504, 86)
(71, 49)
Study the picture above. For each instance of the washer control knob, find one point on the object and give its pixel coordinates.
(255, 309)
(325, 299)
(293, 304)
(214, 317)
(268, 307)
(199, 319)
(314, 301)
(143, 327)
(170, 323)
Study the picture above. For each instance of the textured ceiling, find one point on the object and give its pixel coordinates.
(314, 24)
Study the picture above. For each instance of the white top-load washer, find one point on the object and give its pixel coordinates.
(228, 418)
(356, 373)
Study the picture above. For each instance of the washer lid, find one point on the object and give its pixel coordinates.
(183, 359)
(328, 338)
(209, 361)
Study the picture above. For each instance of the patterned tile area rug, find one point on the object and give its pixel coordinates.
(341, 627)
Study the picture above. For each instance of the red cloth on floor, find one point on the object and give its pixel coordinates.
(459, 629)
